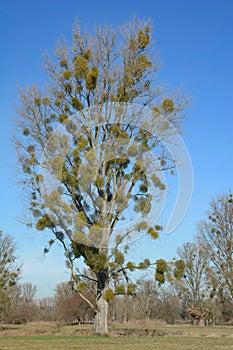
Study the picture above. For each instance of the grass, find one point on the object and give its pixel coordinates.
(100, 343)
(48, 337)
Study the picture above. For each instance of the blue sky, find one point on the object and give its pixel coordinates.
(194, 42)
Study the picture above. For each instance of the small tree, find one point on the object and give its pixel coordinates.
(102, 127)
(9, 269)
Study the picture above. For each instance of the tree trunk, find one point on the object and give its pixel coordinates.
(101, 318)
(202, 322)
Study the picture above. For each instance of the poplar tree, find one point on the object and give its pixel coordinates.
(91, 147)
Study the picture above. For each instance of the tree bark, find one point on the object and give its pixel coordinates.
(101, 318)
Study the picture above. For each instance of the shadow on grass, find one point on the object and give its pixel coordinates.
(8, 328)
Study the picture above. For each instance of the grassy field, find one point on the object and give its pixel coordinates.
(48, 337)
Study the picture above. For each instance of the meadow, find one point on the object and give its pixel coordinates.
(54, 336)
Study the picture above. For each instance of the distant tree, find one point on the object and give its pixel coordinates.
(63, 290)
(47, 309)
(149, 302)
(193, 286)
(15, 295)
(70, 307)
(103, 100)
(169, 307)
(146, 299)
(9, 269)
(22, 307)
(216, 232)
(28, 292)
(198, 314)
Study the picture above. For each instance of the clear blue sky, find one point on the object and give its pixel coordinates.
(194, 41)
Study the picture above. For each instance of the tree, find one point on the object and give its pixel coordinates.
(194, 256)
(22, 307)
(28, 293)
(216, 232)
(47, 309)
(103, 129)
(63, 290)
(70, 307)
(9, 269)
(198, 314)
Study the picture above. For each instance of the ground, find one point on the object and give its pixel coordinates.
(137, 337)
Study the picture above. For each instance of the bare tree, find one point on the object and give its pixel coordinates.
(70, 307)
(47, 309)
(28, 293)
(195, 257)
(63, 290)
(216, 232)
